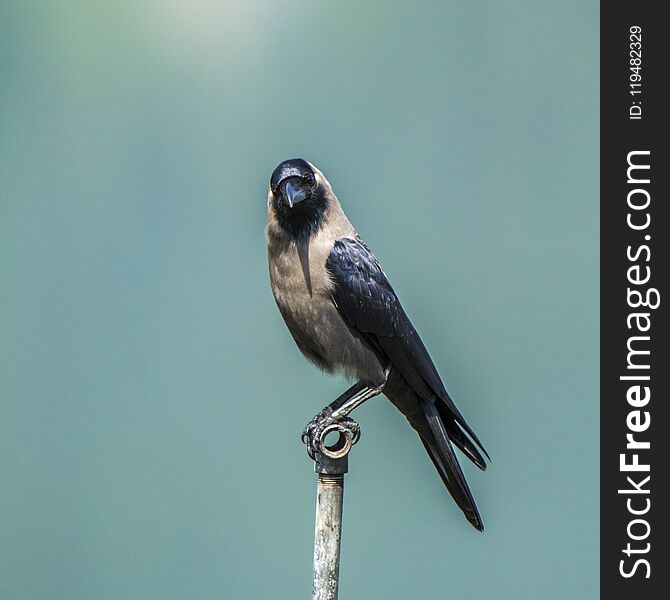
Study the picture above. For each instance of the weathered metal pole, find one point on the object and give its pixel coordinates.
(330, 464)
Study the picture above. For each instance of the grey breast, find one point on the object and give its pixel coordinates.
(302, 288)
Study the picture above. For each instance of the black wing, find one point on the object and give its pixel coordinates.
(366, 300)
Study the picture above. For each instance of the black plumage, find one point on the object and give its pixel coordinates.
(366, 300)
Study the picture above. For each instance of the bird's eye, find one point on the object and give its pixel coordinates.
(309, 179)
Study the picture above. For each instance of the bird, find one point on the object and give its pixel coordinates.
(345, 317)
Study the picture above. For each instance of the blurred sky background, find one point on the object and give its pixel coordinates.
(151, 398)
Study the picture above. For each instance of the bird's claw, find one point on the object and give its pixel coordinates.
(314, 434)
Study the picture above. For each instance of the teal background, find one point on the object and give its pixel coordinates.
(151, 398)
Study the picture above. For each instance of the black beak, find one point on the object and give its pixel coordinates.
(293, 193)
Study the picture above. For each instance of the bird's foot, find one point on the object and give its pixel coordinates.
(314, 435)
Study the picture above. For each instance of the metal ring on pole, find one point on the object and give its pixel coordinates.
(345, 440)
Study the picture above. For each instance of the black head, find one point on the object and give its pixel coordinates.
(298, 197)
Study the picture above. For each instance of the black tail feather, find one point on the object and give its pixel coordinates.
(446, 463)
(463, 443)
(447, 405)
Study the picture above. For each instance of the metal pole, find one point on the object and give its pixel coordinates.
(330, 464)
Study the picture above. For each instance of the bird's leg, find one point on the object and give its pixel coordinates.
(337, 413)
